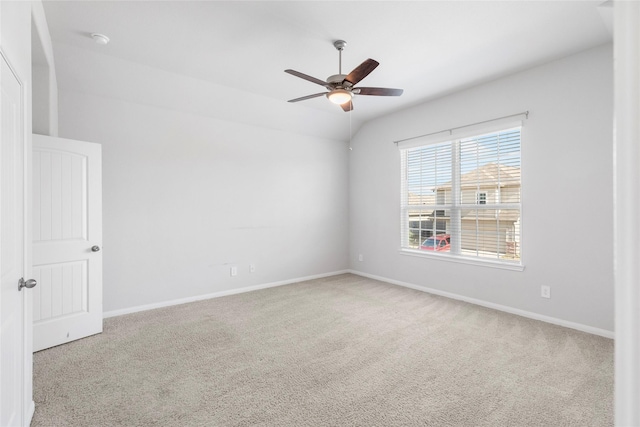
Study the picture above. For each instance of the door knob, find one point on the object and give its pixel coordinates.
(95, 248)
(28, 284)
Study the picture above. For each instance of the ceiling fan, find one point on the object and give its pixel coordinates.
(342, 86)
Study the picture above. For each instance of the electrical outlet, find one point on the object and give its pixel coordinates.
(252, 268)
(234, 270)
(545, 291)
(360, 257)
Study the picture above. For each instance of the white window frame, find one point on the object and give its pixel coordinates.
(455, 207)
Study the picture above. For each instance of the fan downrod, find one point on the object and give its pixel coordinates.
(339, 44)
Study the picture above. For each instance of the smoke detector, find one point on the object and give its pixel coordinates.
(100, 38)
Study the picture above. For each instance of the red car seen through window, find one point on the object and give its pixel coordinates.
(439, 243)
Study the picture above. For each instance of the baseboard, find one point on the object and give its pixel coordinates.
(32, 410)
(178, 301)
(528, 314)
(507, 309)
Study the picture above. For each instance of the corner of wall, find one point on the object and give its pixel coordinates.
(39, 21)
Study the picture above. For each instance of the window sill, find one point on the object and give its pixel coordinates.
(464, 260)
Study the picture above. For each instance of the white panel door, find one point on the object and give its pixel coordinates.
(67, 240)
(12, 255)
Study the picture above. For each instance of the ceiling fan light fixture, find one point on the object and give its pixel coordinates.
(339, 96)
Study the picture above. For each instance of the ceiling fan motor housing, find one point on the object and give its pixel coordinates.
(341, 89)
(337, 79)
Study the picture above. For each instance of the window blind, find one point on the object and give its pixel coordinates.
(461, 197)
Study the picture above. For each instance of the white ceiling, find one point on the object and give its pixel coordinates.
(428, 48)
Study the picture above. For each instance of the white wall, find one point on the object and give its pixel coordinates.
(40, 79)
(43, 75)
(185, 196)
(567, 185)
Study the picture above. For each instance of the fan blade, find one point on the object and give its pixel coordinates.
(362, 71)
(347, 106)
(315, 95)
(377, 91)
(306, 77)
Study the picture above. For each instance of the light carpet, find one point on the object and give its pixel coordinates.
(338, 351)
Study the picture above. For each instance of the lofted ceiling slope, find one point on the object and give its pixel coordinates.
(226, 58)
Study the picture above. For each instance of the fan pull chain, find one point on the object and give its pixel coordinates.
(350, 113)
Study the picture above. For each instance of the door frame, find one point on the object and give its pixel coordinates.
(626, 180)
(29, 406)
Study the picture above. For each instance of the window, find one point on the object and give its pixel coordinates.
(461, 197)
(481, 198)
